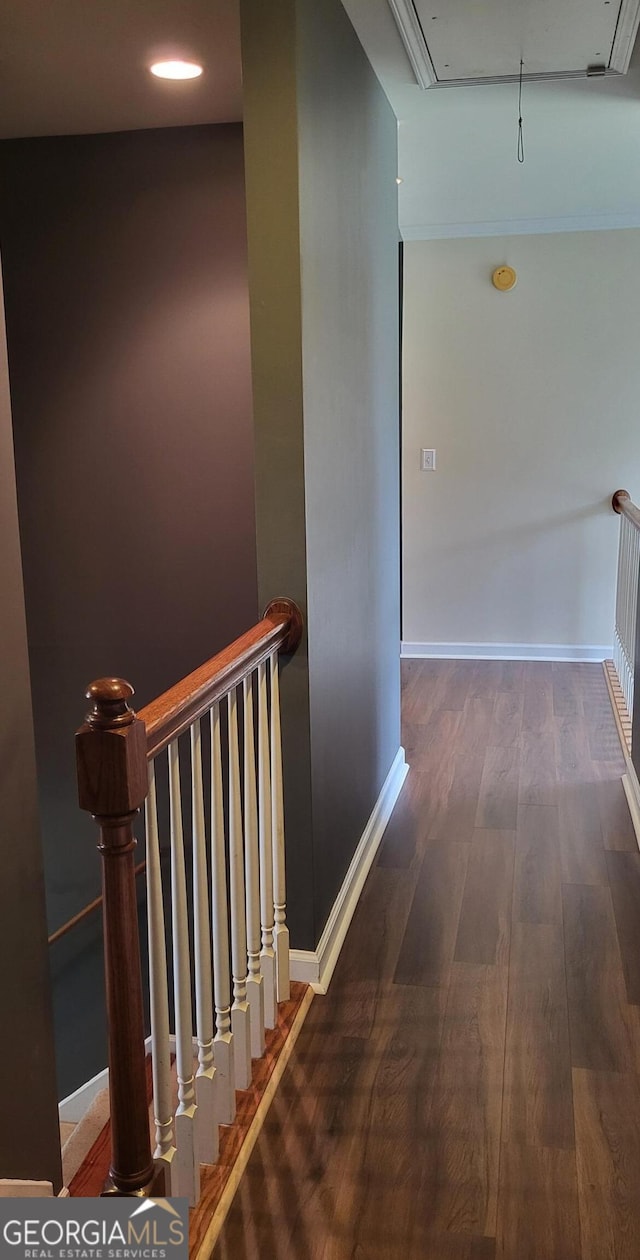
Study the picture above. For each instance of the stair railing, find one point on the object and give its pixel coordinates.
(239, 967)
(624, 651)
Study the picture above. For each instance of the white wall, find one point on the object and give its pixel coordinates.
(457, 154)
(532, 400)
(457, 146)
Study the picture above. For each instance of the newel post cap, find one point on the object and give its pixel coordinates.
(111, 752)
(109, 703)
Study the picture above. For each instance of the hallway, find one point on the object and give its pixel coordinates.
(469, 1087)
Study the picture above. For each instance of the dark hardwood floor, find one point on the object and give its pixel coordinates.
(470, 1087)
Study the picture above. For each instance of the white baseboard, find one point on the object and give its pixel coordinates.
(15, 1189)
(72, 1109)
(315, 967)
(507, 651)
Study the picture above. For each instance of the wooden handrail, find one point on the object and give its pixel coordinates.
(622, 504)
(85, 912)
(113, 749)
(173, 712)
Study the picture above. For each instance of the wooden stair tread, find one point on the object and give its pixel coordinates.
(90, 1177)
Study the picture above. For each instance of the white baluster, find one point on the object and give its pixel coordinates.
(187, 1167)
(159, 993)
(267, 953)
(281, 931)
(255, 989)
(240, 1007)
(223, 1042)
(206, 1082)
(633, 578)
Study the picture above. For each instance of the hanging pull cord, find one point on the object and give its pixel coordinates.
(520, 135)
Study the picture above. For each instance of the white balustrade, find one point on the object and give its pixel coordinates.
(626, 607)
(267, 952)
(223, 1043)
(159, 994)
(238, 963)
(206, 1077)
(240, 1007)
(281, 931)
(255, 986)
(187, 1166)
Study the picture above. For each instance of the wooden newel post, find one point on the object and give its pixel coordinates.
(111, 758)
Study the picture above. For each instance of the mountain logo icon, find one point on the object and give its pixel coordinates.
(148, 1205)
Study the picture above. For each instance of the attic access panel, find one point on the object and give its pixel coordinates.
(474, 41)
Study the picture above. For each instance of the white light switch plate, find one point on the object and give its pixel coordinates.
(427, 460)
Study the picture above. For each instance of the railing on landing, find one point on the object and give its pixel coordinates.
(238, 969)
(624, 651)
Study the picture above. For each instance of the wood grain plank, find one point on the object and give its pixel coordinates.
(537, 1107)
(455, 819)
(458, 676)
(408, 823)
(368, 960)
(537, 885)
(511, 676)
(598, 1013)
(615, 819)
(607, 1107)
(573, 758)
(429, 941)
(567, 696)
(538, 1217)
(604, 741)
(286, 1199)
(428, 743)
(498, 800)
(485, 917)
(459, 1189)
(382, 1139)
(507, 719)
(486, 679)
(475, 723)
(377, 1208)
(537, 712)
(582, 856)
(624, 877)
(538, 769)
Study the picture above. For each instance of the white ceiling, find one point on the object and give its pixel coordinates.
(457, 146)
(468, 40)
(72, 66)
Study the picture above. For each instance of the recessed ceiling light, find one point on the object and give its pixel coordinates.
(399, 179)
(176, 69)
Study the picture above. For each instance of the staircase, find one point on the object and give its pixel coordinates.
(202, 767)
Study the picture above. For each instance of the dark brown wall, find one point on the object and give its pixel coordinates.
(128, 331)
(29, 1145)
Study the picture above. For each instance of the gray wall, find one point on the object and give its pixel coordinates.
(271, 164)
(128, 330)
(29, 1145)
(321, 157)
(349, 247)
